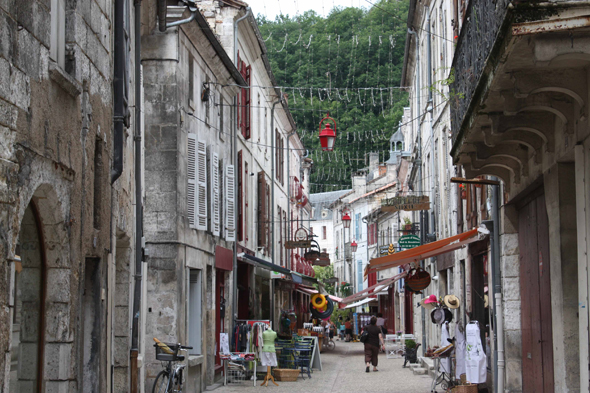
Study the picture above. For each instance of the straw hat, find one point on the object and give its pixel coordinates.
(452, 301)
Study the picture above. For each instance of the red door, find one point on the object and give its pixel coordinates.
(219, 317)
(535, 292)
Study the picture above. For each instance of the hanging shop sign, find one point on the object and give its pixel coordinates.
(387, 249)
(331, 280)
(323, 260)
(409, 241)
(407, 203)
(290, 244)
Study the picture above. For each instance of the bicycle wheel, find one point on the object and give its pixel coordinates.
(161, 384)
(331, 345)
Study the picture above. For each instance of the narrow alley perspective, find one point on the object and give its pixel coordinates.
(318, 195)
(343, 370)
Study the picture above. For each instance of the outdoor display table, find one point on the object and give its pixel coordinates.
(238, 375)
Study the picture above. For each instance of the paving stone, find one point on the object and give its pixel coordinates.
(344, 371)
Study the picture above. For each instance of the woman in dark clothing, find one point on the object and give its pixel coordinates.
(373, 343)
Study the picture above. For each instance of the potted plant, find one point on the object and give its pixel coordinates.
(345, 288)
(463, 191)
(407, 226)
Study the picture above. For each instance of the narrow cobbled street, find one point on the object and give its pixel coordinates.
(344, 371)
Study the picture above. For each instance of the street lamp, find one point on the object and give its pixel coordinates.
(327, 135)
(353, 246)
(346, 221)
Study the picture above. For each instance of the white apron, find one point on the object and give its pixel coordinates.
(459, 352)
(475, 359)
(445, 363)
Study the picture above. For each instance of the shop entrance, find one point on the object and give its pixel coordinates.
(408, 313)
(219, 312)
(535, 292)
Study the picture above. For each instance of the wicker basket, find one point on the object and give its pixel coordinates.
(471, 388)
(286, 374)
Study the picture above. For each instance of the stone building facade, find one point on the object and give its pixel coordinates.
(190, 176)
(67, 222)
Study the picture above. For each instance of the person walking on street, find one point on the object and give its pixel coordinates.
(348, 331)
(373, 343)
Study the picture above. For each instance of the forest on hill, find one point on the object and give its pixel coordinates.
(348, 64)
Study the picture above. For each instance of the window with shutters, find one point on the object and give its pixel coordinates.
(230, 204)
(215, 216)
(201, 202)
(246, 181)
(281, 239)
(240, 210)
(285, 233)
(244, 100)
(262, 211)
(277, 154)
(191, 192)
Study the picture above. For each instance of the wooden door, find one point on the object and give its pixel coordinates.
(408, 313)
(535, 292)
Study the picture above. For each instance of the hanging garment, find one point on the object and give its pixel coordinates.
(459, 351)
(475, 359)
(445, 363)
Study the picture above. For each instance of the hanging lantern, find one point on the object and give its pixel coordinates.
(353, 246)
(346, 221)
(327, 135)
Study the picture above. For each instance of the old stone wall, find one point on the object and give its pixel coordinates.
(56, 151)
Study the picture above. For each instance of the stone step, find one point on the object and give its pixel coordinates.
(414, 365)
(427, 363)
(420, 371)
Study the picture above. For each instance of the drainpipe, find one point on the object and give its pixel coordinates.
(138, 205)
(119, 110)
(418, 162)
(494, 228)
(248, 12)
(429, 108)
(272, 174)
(235, 245)
(288, 261)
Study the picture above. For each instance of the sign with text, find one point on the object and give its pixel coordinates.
(331, 280)
(387, 249)
(407, 203)
(290, 244)
(409, 241)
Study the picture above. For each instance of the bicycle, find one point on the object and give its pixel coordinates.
(170, 379)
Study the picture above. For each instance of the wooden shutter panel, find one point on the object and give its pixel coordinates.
(247, 103)
(215, 208)
(262, 210)
(191, 191)
(239, 206)
(230, 204)
(201, 218)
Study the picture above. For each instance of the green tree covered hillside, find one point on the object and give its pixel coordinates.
(349, 64)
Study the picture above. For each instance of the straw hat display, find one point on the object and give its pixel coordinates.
(452, 301)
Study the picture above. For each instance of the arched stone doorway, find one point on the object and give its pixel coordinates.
(26, 368)
(42, 340)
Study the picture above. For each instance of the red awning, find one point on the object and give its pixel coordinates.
(422, 252)
(369, 291)
(309, 291)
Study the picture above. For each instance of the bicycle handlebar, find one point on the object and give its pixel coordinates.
(183, 347)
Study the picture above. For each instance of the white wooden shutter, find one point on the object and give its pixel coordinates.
(230, 203)
(215, 208)
(201, 203)
(191, 191)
